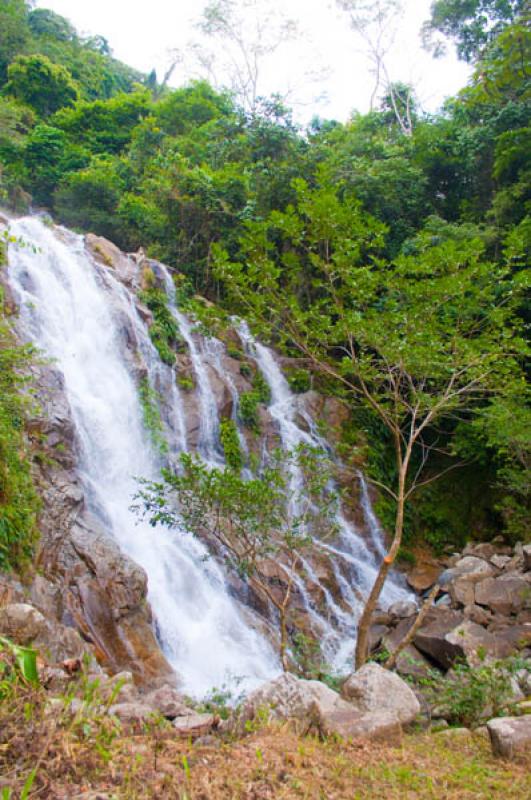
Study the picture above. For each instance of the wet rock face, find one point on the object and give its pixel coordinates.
(109, 255)
(90, 584)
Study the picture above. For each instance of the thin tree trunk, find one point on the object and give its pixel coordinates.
(283, 639)
(362, 644)
(391, 661)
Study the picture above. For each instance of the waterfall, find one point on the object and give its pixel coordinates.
(354, 563)
(74, 310)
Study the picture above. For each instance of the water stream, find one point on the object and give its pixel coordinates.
(72, 309)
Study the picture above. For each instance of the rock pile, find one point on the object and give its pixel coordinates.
(483, 612)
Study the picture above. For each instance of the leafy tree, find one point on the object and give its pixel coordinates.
(420, 342)
(105, 126)
(89, 198)
(472, 24)
(44, 22)
(37, 82)
(15, 32)
(48, 156)
(256, 523)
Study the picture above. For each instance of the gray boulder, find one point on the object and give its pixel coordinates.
(26, 626)
(375, 725)
(132, 712)
(527, 557)
(473, 643)
(431, 638)
(168, 702)
(403, 609)
(510, 736)
(194, 725)
(507, 594)
(291, 698)
(373, 688)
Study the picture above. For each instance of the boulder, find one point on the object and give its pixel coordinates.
(376, 634)
(516, 637)
(194, 725)
(374, 725)
(431, 640)
(412, 663)
(477, 614)
(373, 688)
(168, 702)
(291, 698)
(500, 562)
(526, 550)
(423, 576)
(507, 594)
(21, 622)
(403, 609)
(469, 569)
(473, 643)
(132, 712)
(483, 550)
(461, 590)
(510, 736)
(46, 596)
(26, 626)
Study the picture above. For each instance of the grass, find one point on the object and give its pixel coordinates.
(91, 756)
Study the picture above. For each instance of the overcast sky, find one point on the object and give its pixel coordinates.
(142, 34)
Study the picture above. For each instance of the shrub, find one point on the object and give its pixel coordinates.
(466, 694)
(228, 434)
(299, 380)
(248, 410)
(19, 502)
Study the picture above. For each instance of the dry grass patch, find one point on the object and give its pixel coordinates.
(87, 755)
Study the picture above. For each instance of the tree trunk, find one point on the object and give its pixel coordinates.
(362, 644)
(283, 639)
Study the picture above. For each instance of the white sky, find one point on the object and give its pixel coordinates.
(143, 33)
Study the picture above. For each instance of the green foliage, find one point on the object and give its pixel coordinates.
(185, 382)
(104, 126)
(149, 400)
(164, 332)
(88, 198)
(472, 24)
(261, 388)
(300, 380)
(16, 664)
(468, 693)
(19, 502)
(41, 84)
(230, 442)
(13, 24)
(248, 410)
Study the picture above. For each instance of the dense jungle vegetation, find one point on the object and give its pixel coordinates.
(244, 203)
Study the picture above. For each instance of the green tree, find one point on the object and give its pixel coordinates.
(89, 198)
(258, 525)
(420, 341)
(15, 32)
(40, 84)
(472, 24)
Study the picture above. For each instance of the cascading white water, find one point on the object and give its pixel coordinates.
(354, 564)
(71, 309)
